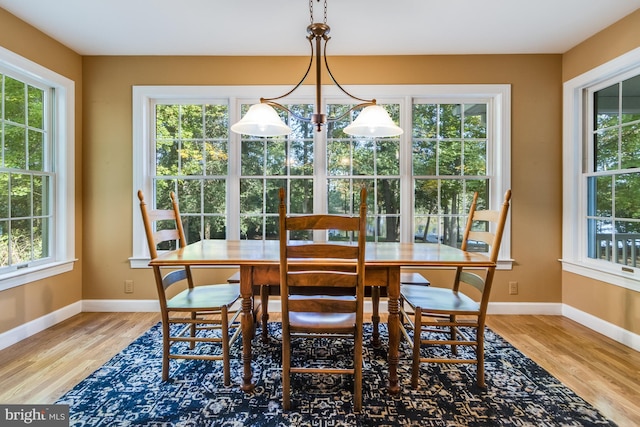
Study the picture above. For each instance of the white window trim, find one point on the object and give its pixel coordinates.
(498, 96)
(574, 252)
(64, 157)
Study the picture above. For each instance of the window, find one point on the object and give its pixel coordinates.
(36, 172)
(459, 144)
(602, 176)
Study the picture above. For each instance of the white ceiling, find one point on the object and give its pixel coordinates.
(358, 27)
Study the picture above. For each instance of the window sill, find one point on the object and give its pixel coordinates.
(22, 277)
(628, 280)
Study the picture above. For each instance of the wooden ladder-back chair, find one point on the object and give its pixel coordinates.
(433, 310)
(187, 315)
(322, 290)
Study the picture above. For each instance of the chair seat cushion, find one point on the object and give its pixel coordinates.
(322, 322)
(206, 297)
(438, 299)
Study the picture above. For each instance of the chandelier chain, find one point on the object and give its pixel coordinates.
(311, 11)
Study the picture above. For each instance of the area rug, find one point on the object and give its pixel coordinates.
(128, 391)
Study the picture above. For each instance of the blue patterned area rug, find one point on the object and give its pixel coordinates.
(128, 391)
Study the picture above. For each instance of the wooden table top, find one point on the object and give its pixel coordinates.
(266, 252)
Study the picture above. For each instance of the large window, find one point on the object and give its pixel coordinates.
(601, 227)
(36, 172)
(419, 184)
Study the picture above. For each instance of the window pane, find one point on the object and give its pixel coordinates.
(36, 108)
(475, 120)
(276, 159)
(20, 195)
(215, 196)
(216, 121)
(627, 191)
(424, 157)
(192, 121)
(301, 196)
(14, 100)
(166, 157)
(450, 121)
(252, 160)
(301, 158)
(189, 193)
(4, 243)
(630, 146)
(251, 196)
(606, 102)
(449, 158)
(15, 148)
(191, 158)
(36, 150)
(606, 149)
(475, 158)
(363, 159)
(387, 157)
(338, 158)
(217, 158)
(631, 100)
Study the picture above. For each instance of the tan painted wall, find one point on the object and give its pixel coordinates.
(31, 301)
(536, 149)
(611, 303)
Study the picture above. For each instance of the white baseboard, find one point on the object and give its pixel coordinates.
(607, 329)
(119, 305)
(28, 329)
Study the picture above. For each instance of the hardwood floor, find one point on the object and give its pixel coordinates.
(605, 373)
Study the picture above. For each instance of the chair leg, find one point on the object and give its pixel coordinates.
(192, 329)
(264, 300)
(454, 333)
(166, 344)
(480, 356)
(224, 334)
(417, 332)
(357, 373)
(286, 371)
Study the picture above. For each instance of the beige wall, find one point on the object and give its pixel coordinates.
(34, 300)
(610, 303)
(536, 149)
(104, 155)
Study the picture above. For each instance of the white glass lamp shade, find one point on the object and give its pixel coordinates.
(373, 121)
(261, 120)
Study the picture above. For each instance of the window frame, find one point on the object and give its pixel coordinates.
(576, 93)
(498, 96)
(62, 124)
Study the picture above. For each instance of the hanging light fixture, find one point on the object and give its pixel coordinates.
(263, 120)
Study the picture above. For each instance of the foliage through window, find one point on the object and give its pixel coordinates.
(613, 175)
(419, 184)
(449, 165)
(25, 174)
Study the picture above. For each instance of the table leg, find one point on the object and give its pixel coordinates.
(393, 290)
(375, 316)
(246, 293)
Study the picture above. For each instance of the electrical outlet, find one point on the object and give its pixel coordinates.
(128, 286)
(513, 288)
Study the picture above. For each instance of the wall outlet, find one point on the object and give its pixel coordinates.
(128, 286)
(513, 288)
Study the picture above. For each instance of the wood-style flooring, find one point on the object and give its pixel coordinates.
(605, 373)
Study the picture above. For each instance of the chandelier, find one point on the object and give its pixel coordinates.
(263, 120)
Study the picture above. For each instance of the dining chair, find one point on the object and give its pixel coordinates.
(322, 289)
(445, 316)
(193, 310)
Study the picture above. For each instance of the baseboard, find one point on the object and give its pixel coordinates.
(28, 329)
(116, 305)
(603, 327)
(607, 329)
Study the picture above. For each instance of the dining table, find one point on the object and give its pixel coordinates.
(258, 262)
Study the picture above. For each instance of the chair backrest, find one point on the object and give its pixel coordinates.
(170, 231)
(321, 265)
(487, 227)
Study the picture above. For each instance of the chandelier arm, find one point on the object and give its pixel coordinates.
(263, 100)
(326, 64)
(355, 107)
(282, 107)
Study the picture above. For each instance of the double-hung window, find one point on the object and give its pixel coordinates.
(36, 172)
(601, 225)
(419, 184)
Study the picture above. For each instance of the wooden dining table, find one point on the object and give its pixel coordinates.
(258, 261)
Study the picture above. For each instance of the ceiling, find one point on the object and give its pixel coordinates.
(358, 27)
